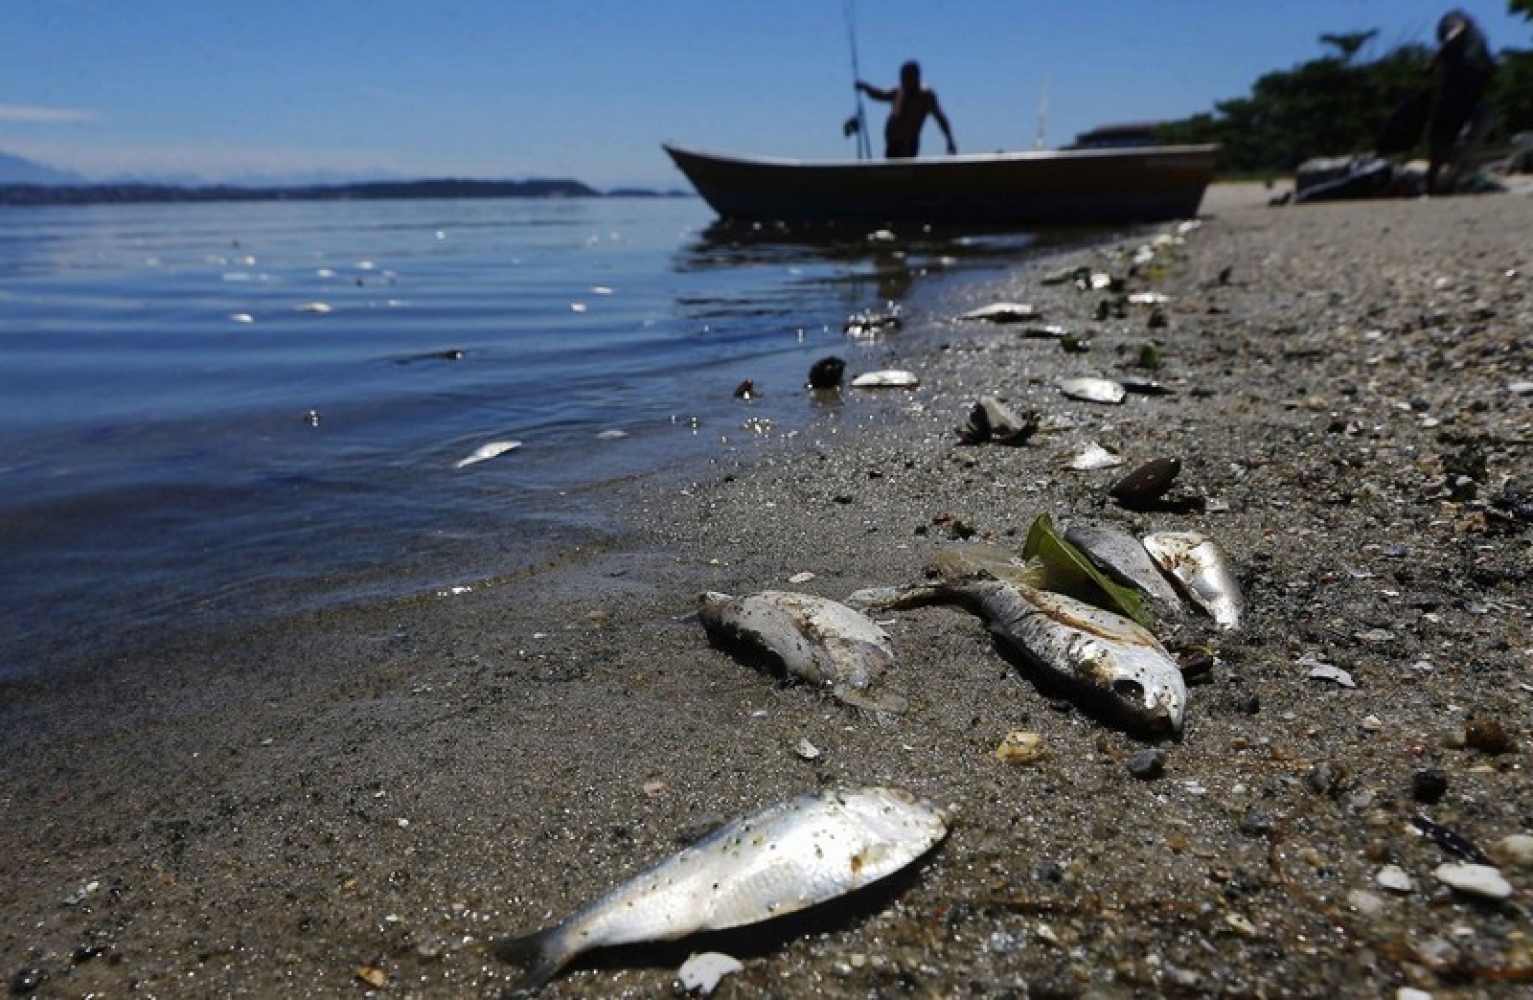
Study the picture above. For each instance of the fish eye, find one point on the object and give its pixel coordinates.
(1129, 690)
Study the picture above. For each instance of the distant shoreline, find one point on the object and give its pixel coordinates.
(101, 194)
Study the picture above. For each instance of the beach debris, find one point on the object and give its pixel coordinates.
(1515, 849)
(1152, 353)
(873, 322)
(1072, 343)
(1106, 658)
(1429, 785)
(887, 378)
(746, 390)
(1486, 735)
(701, 973)
(1395, 879)
(815, 639)
(783, 859)
(807, 750)
(1093, 390)
(1148, 764)
(314, 308)
(1202, 570)
(1003, 312)
(1450, 841)
(311, 418)
(245, 318)
(798, 579)
(1061, 566)
(1144, 387)
(1485, 881)
(611, 434)
(1045, 331)
(1021, 748)
(1092, 457)
(1322, 671)
(485, 452)
(1148, 298)
(1124, 559)
(1067, 274)
(826, 373)
(373, 976)
(1146, 483)
(992, 420)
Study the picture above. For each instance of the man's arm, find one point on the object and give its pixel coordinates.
(947, 130)
(875, 93)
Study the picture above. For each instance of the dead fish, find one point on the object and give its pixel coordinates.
(783, 859)
(1146, 482)
(1123, 557)
(888, 378)
(1112, 659)
(1046, 331)
(812, 638)
(1202, 571)
(1004, 312)
(993, 420)
(485, 452)
(1092, 390)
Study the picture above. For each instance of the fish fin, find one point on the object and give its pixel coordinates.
(540, 956)
(893, 598)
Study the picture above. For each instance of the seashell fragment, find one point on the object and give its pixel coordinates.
(888, 378)
(1093, 390)
(993, 420)
(1146, 482)
(1094, 456)
(1484, 881)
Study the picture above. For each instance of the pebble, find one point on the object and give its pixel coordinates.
(807, 750)
(1021, 748)
(1411, 993)
(1394, 878)
(1515, 849)
(1487, 736)
(1367, 903)
(1475, 880)
(1147, 765)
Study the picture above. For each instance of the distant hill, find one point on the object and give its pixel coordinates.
(17, 170)
(92, 194)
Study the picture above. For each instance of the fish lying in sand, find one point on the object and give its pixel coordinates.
(783, 859)
(813, 638)
(1112, 659)
(1202, 570)
(1123, 557)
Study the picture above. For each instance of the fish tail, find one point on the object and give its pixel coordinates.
(541, 956)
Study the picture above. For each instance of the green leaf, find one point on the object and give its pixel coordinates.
(1067, 570)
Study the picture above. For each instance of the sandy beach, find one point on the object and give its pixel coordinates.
(358, 801)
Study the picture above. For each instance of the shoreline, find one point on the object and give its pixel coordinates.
(452, 770)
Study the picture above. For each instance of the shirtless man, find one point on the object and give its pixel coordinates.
(911, 103)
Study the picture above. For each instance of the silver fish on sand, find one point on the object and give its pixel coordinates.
(1123, 557)
(783, 859)
(887, 378)
(1113, 659)
(1004, 312)
(1202, 570)
(1093, 390)
(813, 638)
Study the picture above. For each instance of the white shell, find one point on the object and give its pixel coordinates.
(1003, 312)
(1093, 390)
(701, 973)
(888, 378)
(1094, 456)
(1476, 880)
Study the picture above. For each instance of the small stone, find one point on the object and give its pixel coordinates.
(1411, 993)
(803, 577)
(1257, 823)
(807, 750)
(373, 976)
(1372, 723)
(1367, 903)
(1475, 880)
(1487, 736)
(1147, 765)
(1394, 878)
(1515, 849)
(1429, 785)
(1021, 748)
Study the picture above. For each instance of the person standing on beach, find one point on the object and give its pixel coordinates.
(1465, 70)
(910, 104)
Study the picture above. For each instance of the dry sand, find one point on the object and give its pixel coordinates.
(375, 793)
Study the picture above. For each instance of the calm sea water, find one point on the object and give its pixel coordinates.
(219, 412)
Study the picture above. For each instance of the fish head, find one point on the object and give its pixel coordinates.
(896, 817)
(1142, 688)
(711, 605)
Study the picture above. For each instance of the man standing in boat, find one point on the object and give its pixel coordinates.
(910, 104)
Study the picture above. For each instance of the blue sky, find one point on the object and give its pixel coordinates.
(589, 88)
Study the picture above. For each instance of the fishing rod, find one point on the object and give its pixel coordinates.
(864, 144)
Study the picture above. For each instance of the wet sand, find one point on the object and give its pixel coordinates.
(370, 795)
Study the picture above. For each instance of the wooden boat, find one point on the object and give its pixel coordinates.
(1056, 187)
